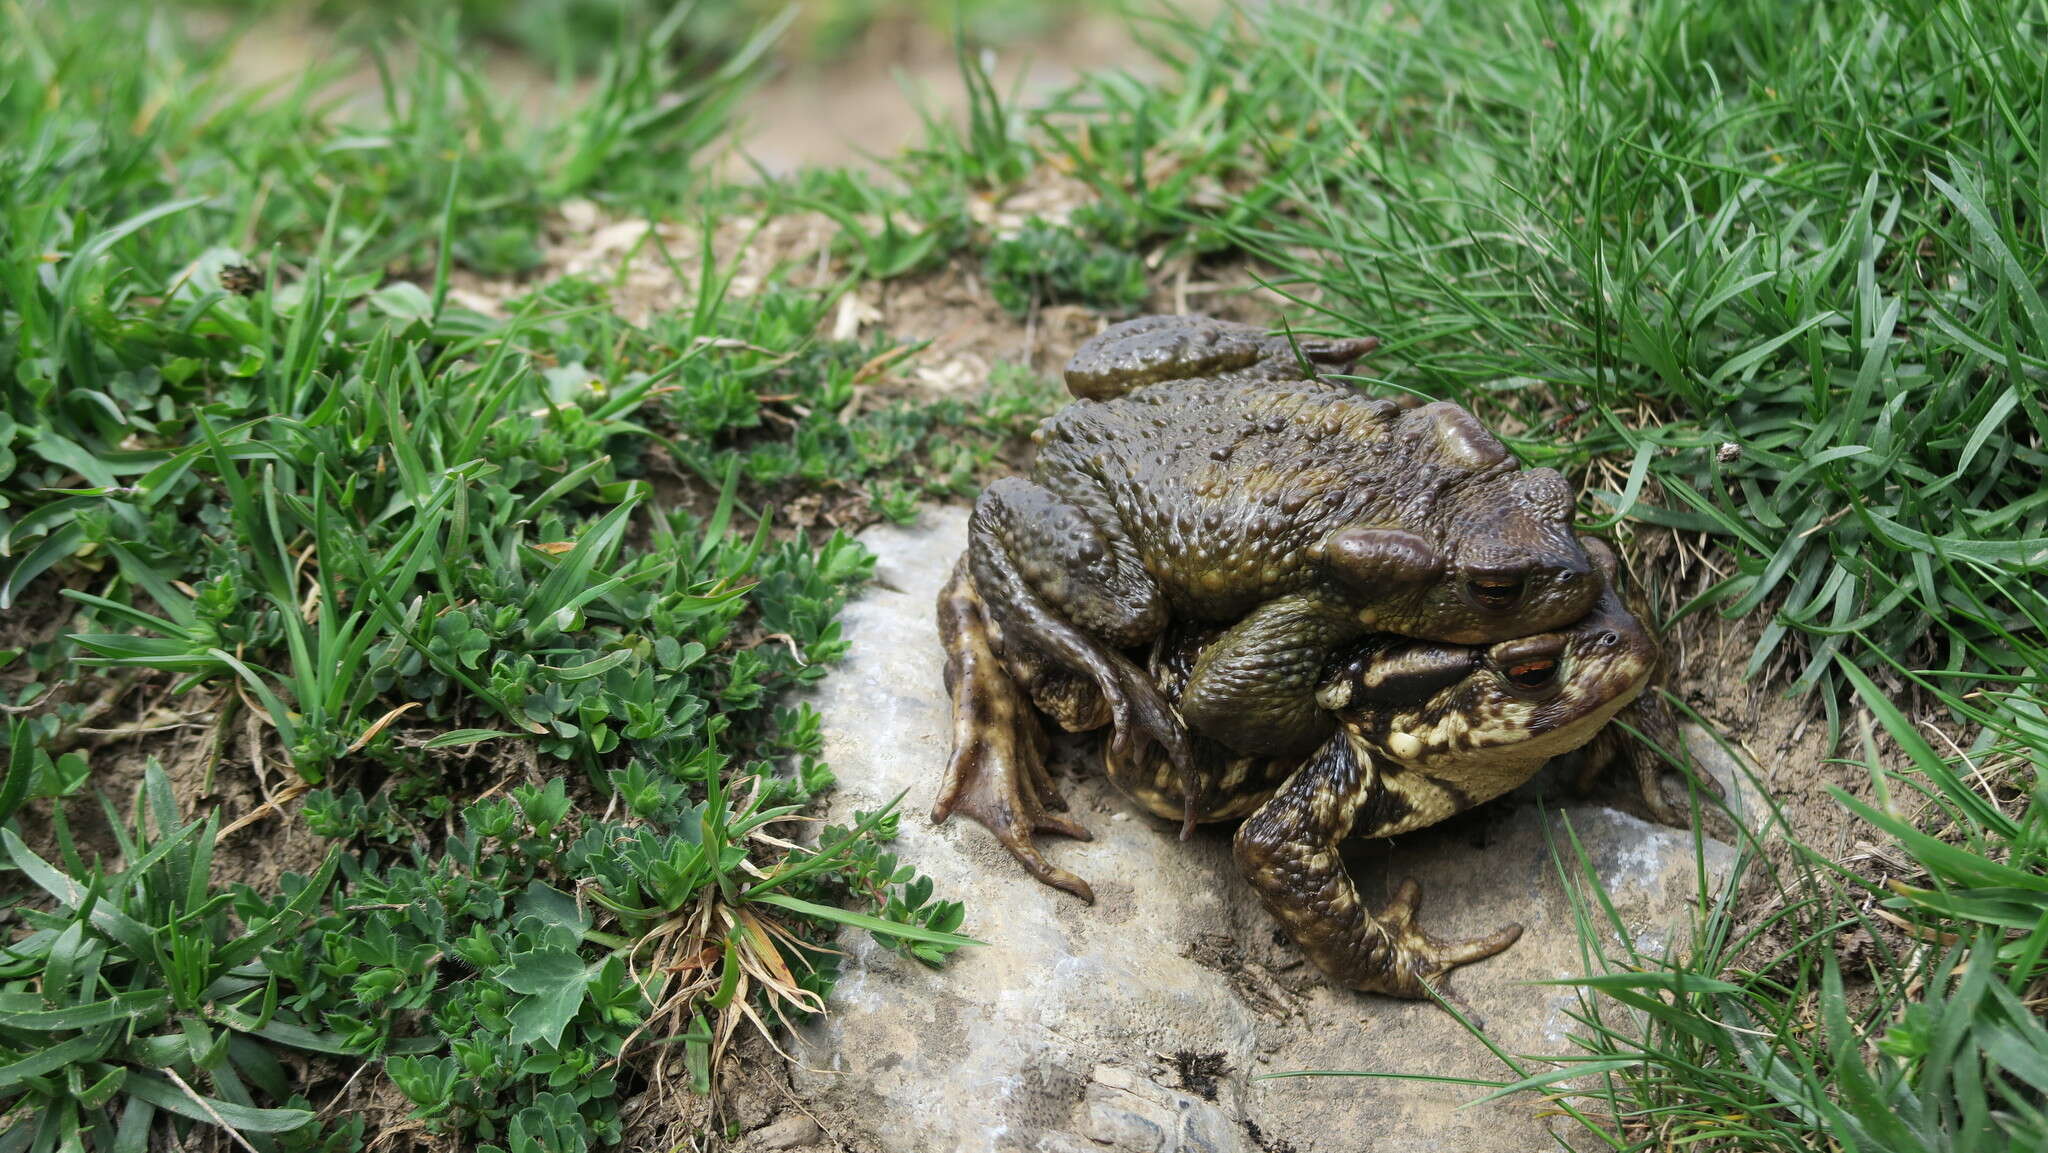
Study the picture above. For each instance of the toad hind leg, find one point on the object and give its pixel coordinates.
(997, 774)
(1150, 349)
(1077, 598)
(1288, 850)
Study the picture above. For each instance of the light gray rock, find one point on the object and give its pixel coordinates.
(1062, 1034)
(787, 1133)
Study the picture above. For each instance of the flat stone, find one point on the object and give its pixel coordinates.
(1073, 1027)
(787, 1133)
(1114, 1077)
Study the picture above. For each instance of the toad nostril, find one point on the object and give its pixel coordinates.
(1610, 638)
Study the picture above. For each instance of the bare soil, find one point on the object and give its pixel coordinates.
(853, 109)
(857, 109)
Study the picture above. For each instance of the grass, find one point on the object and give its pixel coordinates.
(583, 36)
(1754, 1038)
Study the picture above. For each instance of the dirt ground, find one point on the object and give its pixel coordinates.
(850, 110)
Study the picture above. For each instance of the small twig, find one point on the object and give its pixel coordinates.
(734, 342)
(379, 726)
(202, 1103)
(790, 641)
(252, 731)
(68, 738)
(348, 1085)
(136, 730)
(1918, 932)
(266, 809)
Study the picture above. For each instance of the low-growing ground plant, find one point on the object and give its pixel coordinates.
(139, 985)
(1048, 264)
(498, 600)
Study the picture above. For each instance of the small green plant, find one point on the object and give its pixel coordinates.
(1050, 264)
(887, 232)
(150, 994)
(31, 773)
(995, 149)
(893, 891)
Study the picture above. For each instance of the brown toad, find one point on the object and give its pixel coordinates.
(1208, 473)
(1425, 730)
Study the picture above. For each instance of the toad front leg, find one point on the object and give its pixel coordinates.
(1054, 584)
(1254, 687)
(1288, 850)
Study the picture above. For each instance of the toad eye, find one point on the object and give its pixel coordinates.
(1532, 674)
(1495, 592)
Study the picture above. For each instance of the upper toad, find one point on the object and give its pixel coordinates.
(1208, 473)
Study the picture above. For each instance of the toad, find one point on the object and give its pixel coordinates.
(1207, 472)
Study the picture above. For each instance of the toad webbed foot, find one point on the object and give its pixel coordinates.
(1419, 960)
(996, 775)
(1288, 851)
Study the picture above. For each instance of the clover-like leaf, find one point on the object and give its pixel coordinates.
(553, 906)
(554, 982)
